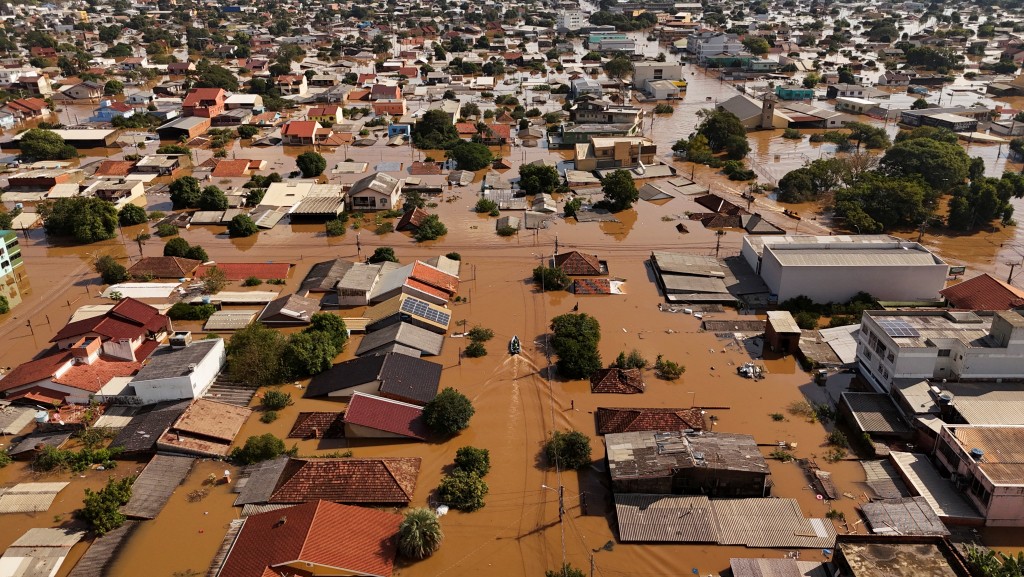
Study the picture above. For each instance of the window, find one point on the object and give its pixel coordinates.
(944, 352)
(891, 357)
(950, 455)
(867, 354)
(872, 339)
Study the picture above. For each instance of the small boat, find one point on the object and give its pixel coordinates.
(514, 347)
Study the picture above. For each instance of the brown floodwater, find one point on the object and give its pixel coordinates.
(517, 407)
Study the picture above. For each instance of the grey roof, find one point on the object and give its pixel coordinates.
(884, 480)
(99, 556)
(325, 275)
(648, 454)
(761, 567)
(14, 419)
(899, 257)
(260, 480)
(29, 497)
(924, 479)
(656, 191)
(207, 217)
(361, 276)
(167, 362)
(155, 485)
(290, 309)
(378, 182)
(665, 518)
(770, 522)
(693, 284)
(320, 205)
(427, 342)
(183, 123)
(687, 264)
(33, 441)
(42, 551)
(905, 516)
(146, 427)
(875, 413)
(230, 320)
(398, 374)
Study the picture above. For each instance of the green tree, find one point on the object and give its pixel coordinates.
(185, 192)
(473, 460)
(942, 165)
(430, 229)
(197, 253)
(311, 164)
(214, 76)
(419, 534)
(486, 206)
(551, 278)
(448, 413)
(471, 155)
(756, 45)
(113, 88)
(335, 227)
(569, 450)
(984, 200)
(737, 147)
(919, 104)
(538, 178)
(332, 327)
(575, 342)
(718, 126)
(177, 246)
(247, 131)
(87, 219)
(309, 353)
(696, 149)
(619, 190)
(214, 280)
(635, 360)
(382, 254)
(567, 570)
(5, 307)
(131, 214)
(212, 198)
(475, 350)
(463, 491)
(868, 135)
(811, 80)
(878, 202)
(182, 311)
(258, 448)
(111, 271)
(255, 355)
(435, 131)
(668, 369)
(618, 68)
(101, 509)
(932, 132)
(818, 178)
(242, 226)
(40, 144)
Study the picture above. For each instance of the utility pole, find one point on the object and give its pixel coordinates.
(718, 241)
(556, 245)
(561, 502)
(1013, 265)
(359, 247)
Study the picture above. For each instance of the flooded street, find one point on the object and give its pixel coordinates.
(517, 533)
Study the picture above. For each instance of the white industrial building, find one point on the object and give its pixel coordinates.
(571, 20)
(940, 345)
(835, 268)
(183, 371)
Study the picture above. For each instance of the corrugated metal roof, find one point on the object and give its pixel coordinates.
(29, 497)
(690, 264)
(924, 479)
(665, 518)
(253, 509)
(875, 413)
(320, 205)
(100, 554)
(770, 522)
(883, 479)
(14, 419)
(155, 485)
(905, 516)
(116, 417)
(857, 257)
(777, 568)
(229, 320)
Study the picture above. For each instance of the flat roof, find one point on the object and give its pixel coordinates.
(880, 559)
(953, 118)
(76, 134)
(930, 328)
(924, 479)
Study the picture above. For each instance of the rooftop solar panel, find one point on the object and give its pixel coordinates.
(422, 309)
(898, 328)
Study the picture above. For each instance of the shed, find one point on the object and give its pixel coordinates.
(39, 552)
(903, 516)
(512, 222)
(230, 320)
(781, 333)
(29, 497)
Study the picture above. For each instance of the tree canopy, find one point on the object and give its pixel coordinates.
(430, 229)
(575, 340)
(619, 190)
(185, 192)
(242, 225)
(538, 178)
(943, 165)
(87, 219)
(311, 164)
(435, 131)
(570, 450)
(471, 155)
(41, 144)
(448, 413)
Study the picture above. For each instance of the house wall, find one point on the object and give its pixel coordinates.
(353, 297)
(190, 386)
(369, 388)
(1002, 505)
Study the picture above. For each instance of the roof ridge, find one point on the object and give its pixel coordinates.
(309, 529)
(387, 461)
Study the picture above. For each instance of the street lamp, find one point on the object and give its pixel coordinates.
(693, 396)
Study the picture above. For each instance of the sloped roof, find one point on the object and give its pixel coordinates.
(34, 371)
(984, 293)
(141, 433)
(412, 219)
(348, 480)
(622, 381)
(400, 375)
(435, 277)
(575, 263)
(299, 309)
(197, 95)
(115, 167)
(212, 419)
(325, 275)
(164, 267)
(412, 336)
(627, 420)
(386, 415)
(315, 533)
(318, 425)
(243, 270)
(377, 182)
(92, 377)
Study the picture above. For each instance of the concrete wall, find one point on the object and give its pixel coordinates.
(839, 283)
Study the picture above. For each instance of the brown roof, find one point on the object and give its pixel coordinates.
(348, 480)
(621, 381)
(212, 419)
(984, 293)
(164, 267)
(34, 371)
(350, 540)
(128, 319)
(244, 270)
(575, 263)
(318, 425)
(115, 168)
(231, 168)
(615, 420)
(412, 219)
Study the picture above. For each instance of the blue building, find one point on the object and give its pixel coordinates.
(794, 93)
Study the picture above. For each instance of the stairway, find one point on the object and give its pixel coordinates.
(230, 392)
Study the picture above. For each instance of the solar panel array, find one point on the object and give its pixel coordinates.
(414, 306)
(898, 328)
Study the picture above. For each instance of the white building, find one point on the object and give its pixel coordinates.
(985, 463)
(835, 268)
(656, 78)
(705, 44)
(186, 372)
(941, 345)
(571, 20)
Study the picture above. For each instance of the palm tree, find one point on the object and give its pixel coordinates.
(420, 534)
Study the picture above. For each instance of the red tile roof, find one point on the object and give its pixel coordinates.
(575, 263)
(465, 128)
(412, 219)
(34, 371)
(621, 381)
(592, 286)
(364, 77)
(434, 277)
(423, 287)
(115, 168)
(93, 377)
(318, 425)
(409, 71)
(244, 270)
(357, 94)
(138, 312)
(328, 110)
(348, 481)
(984, 293)
(424, 168)
(230, 168)
(611, 420)
(300, 128)
(197, 95)
(386, 415)
(500, 131)
(104, 326)
(164, 267)
(352, 540)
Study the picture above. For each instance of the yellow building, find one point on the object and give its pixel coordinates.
(615, 152)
